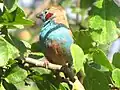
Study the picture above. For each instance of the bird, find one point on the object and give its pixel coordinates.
(55, 39)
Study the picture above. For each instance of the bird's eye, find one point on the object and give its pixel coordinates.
(45, 12)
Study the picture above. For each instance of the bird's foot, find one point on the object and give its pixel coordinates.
(45, 63)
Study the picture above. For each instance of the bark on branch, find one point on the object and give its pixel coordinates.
(40, 63)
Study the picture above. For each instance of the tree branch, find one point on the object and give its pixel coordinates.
(40, 63)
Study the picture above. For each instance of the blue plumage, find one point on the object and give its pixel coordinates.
(55, 40)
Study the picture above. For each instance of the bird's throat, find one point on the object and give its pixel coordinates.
(48, 16)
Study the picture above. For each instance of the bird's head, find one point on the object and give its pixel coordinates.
(45, 15)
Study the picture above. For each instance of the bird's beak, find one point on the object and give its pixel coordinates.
(39, 15)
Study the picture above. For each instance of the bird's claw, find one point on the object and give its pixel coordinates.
(45, 63)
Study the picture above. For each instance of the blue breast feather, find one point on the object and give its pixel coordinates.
(57, 32)
(52, 31)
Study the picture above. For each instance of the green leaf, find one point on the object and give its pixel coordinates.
(7, 51)
(116, 60)
(105, 8)
(31, 85)
(83, 39)
(27, 45)
(37, 54)
(21, 18)
(11, 5)
(49, 83)
(19, 26)
(2, 87)
(116, 77)
(8, 86)
(11, 62)
(18, 44)
(96, 22)
(40, 70)
(78, 57)
(65, 85)
(35, 47)
(99, 3)
(103, 36)
(19, 85)
(61, 87)
(14, 18)
(95, 79)
(100, 58)
(16, 75)
(104, 22)
(77, 85)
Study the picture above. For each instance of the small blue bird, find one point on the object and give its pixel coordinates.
(55, 40)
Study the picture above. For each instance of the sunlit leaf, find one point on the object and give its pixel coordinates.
(103, 21)
(26, 44)
(96, 23)
(16, 75)
(116, 77)
(17, 17)
(77, 85)
(2, 87)
(104, 36)
(78, 57)
(19, 85)
(19, 26)
(99, 3)
(7, 51)
(22, 85)
(40, 70)
(65, 85)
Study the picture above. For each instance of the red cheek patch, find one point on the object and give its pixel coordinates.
(48, 16)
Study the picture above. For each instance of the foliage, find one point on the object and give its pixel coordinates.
(78, 57)
(99, 28)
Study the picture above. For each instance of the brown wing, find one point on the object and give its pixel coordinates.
(60, 15)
